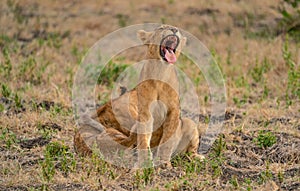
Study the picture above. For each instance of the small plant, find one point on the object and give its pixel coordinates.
(290, 23)
(110, 73)
(18, 101)
(219, 146)
(265, 139)
(258, 71)
(56, 155)
(248, 183)
(98, 162)
(190, 165)
(58, 109)
(265, 92)
(228, 58)
(122, 20)
(147, 175)
(144, 176)
(217, 157)
(48, 168)
(265, 175)
(32, 71)
(11, 97)
(54, 40)
(216, 164)
(241, 81)
(56, 149)
(8, 137)
(163, 20)
(6, 65)
(4, 40)
(27, 67)
(234, 182)
(78, 54)
(187, 184)
(205, 99)
(280, 176)
(239, 102)
(177, 161)
(17, 11)
(194, 166)
(293, 86)
(97, 166)
(45, 132)
(5, 91)
(70, 73)
(2, 108)
(169, 185)
(39, 73)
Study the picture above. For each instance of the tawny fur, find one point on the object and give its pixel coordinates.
(128, 119)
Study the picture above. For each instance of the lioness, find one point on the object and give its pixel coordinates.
(147, 117)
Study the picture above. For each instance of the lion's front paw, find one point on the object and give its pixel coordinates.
(165, 165)
(198, 156)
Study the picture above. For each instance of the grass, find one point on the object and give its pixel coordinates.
(111, 72)
(5, 91)
(17, 11)
(144, 177)
(265, 175)
(106, 80)
(6, 65)
(57, 157)
(8, 137)
(32, 71)
(293, 84)
(290, 24)
(265, 139)
(261, 72)
(122, 20)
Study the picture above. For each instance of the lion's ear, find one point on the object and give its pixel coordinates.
(144, 36)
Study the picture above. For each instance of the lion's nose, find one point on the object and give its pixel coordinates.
(174, 30)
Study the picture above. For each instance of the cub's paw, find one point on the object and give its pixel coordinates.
(166, 165)
(163, 165)
(198, 156)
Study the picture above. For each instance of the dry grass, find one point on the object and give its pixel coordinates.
(42, 42)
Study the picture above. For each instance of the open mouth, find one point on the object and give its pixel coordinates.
(168, 47)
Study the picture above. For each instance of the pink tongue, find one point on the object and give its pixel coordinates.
(170, 56)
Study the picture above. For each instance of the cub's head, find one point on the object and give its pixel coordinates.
(164, 43)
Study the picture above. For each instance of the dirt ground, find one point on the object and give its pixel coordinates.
(43, 42)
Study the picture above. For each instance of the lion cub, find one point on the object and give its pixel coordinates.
(147, 117)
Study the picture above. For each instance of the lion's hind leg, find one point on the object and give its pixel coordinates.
(189, 141)
(87, 139)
